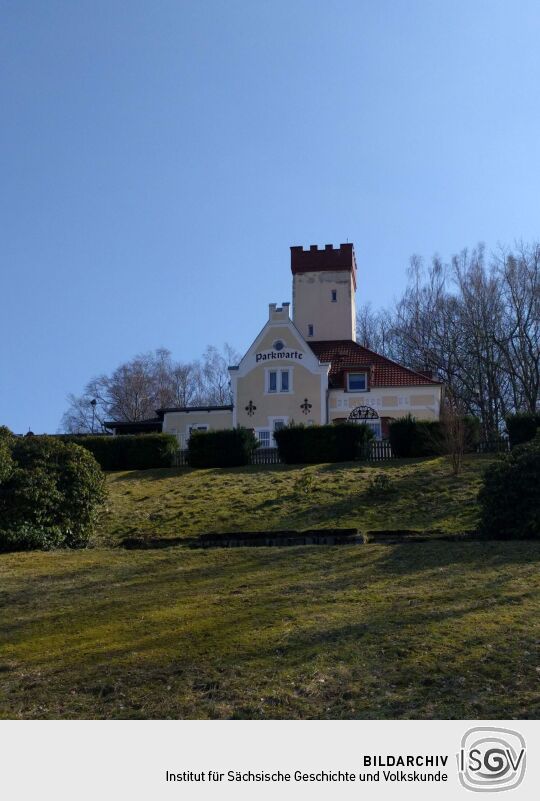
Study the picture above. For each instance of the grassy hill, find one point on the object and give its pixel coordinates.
(421, 630)
(174, 503)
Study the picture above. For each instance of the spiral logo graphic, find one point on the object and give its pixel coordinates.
(491, 759)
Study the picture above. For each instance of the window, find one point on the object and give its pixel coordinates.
(198, 428)
(264, 438)
(310, 330)
(334, 295)
(278, 344)
(279, 381)
(357, 382)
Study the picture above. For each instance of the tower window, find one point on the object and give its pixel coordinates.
(334, 295)
(310, 330)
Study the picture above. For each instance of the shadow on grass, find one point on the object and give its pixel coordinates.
(153, 474)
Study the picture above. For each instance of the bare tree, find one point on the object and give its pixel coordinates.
(477, 325)
(519, 339)
(150, 381)
(374, 329)
(82, 416)
(185, 383)
(454, 430)
(215, 381)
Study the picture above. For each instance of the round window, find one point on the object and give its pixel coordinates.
(278, 345)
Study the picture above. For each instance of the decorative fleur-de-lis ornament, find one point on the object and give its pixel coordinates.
(305, 406)
(251, 408)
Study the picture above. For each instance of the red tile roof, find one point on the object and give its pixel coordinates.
(346, 355)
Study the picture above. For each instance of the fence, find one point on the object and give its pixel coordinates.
(378, 451)
(265, 456)
(180, 459)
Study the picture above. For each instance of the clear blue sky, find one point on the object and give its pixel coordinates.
(157, 160)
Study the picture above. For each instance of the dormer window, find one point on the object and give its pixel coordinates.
(334, 295)
(357, 382)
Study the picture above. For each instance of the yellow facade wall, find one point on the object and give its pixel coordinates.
(179, 423)
(422, 402)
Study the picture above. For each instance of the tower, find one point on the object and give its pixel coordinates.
(324, 286)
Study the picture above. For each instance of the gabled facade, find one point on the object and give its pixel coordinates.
(279, 381)
(310, 369)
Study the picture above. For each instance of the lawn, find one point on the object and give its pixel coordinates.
(422, 494)
(439, 629)
(430, 630)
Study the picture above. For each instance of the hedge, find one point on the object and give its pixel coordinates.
(522, 427)
(414, 438)
(129, 451)
(316, 444)
(509, 498)
(231, 447)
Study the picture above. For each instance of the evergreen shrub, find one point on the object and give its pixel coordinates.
(510, 495)
(51, 496)
(317, 444)
(522, 427)
(129, 451)
(231, 447)
(415, 438)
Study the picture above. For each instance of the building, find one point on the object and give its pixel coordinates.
(309, 368)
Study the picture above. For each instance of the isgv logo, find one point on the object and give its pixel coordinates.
(491, 759)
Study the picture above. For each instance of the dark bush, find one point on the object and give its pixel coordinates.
(51, 496)
(129, 451)
(522, 427)
(403, 435)
(231, 447)
(6, 462)
(30, 537)
(510, 495)
(410, 437)
(414, 438)
(317, 444)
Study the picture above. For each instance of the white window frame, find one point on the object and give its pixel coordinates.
(359, 372)
(259, 431)
(278, 371)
